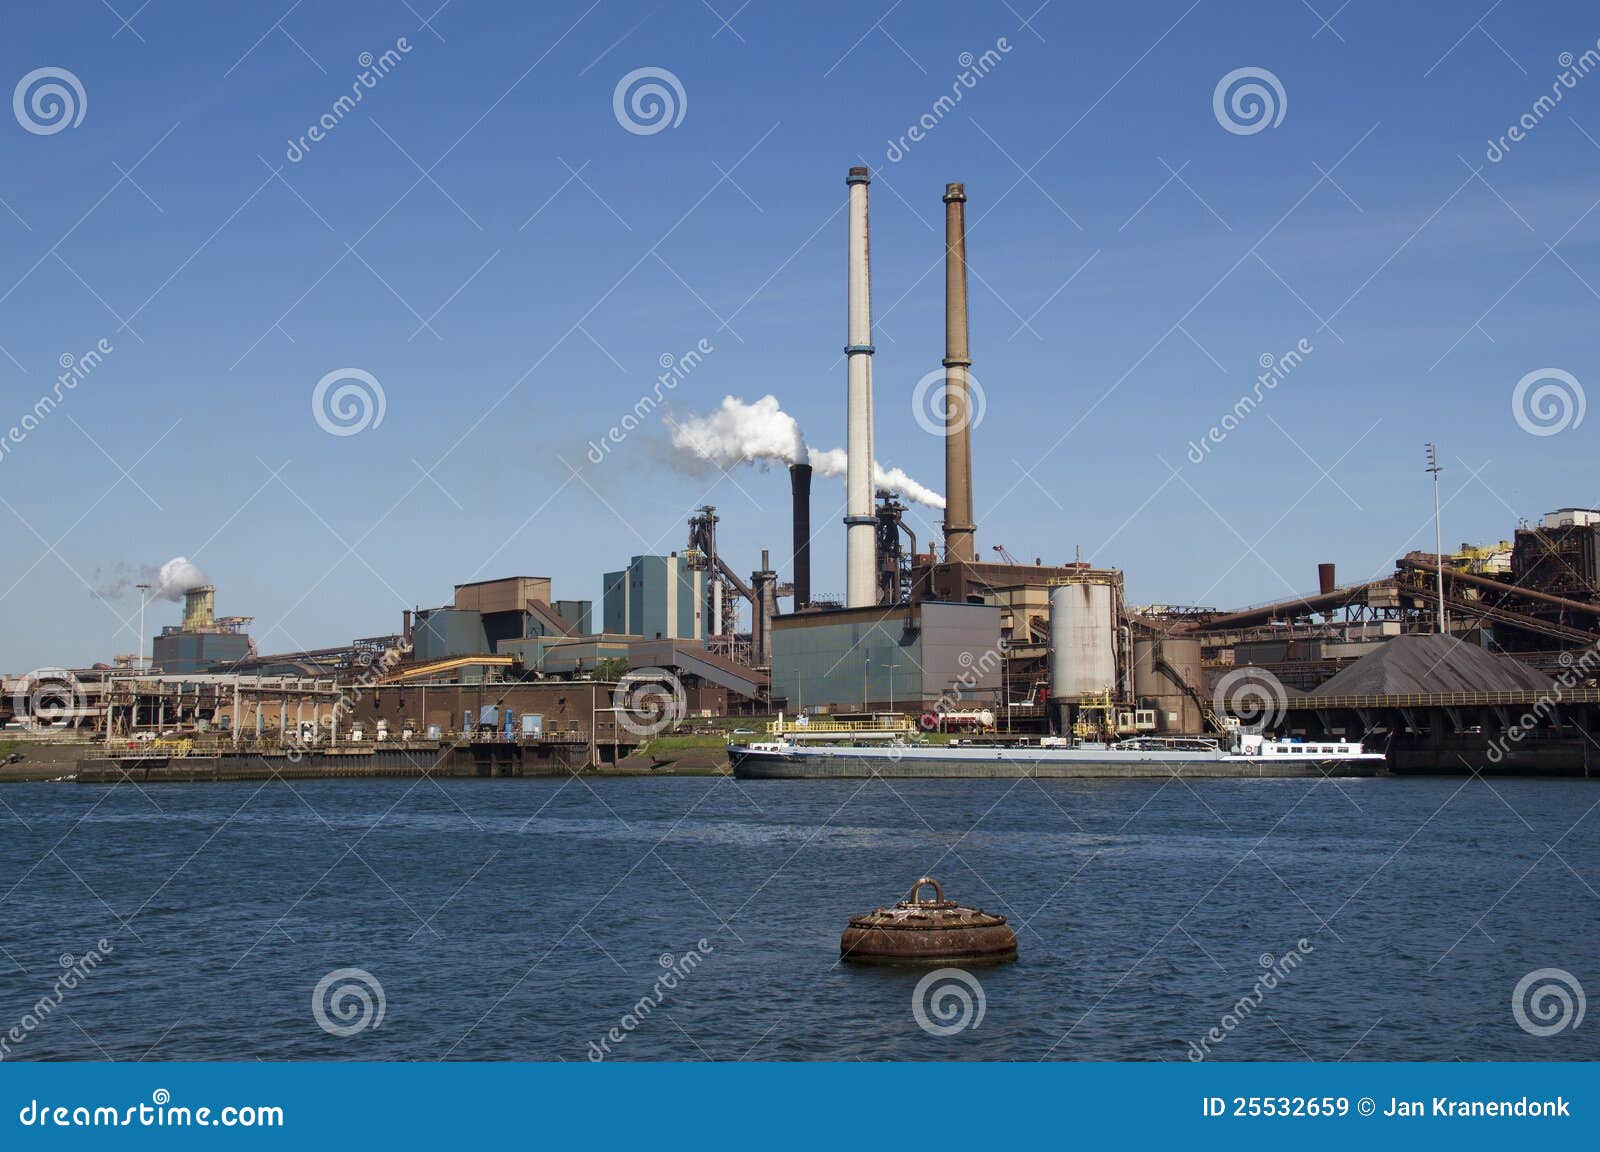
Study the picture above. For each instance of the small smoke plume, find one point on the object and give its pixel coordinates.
(169, 581)
(764, 433)
(836, 462)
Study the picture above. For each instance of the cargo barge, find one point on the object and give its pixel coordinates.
(889, 753)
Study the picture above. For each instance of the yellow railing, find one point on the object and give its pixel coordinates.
(823, 726)
(140, 748)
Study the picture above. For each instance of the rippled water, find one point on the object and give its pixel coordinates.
(523, 919)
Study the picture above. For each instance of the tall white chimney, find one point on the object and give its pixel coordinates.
(860, 570)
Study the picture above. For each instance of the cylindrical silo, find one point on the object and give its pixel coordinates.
(1083, 659)
(1161, 670)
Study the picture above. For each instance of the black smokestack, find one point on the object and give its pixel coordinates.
(800, 484)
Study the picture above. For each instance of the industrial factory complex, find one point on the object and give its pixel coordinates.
(1478, 659)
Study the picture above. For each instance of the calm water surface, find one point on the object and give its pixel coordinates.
(523, 919)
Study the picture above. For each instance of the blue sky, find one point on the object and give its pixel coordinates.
(1118, 309)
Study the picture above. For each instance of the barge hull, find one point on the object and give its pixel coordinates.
(767, 766)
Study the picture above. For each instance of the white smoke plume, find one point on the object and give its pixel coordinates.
(764, 433)
(836, 462)
(761, 432)
(168, 582)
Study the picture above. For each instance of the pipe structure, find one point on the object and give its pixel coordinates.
(861, 568)
(764, 584)
(958, 526)
(800, 487)
(1431, 568)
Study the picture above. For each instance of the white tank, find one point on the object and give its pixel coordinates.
(1083, 660)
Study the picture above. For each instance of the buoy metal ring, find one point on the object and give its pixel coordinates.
(938, 892)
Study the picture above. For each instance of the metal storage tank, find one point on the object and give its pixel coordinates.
(1083, 660)
(1176, 710)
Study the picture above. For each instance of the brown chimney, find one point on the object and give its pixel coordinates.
(958, 526)
(1325, 582)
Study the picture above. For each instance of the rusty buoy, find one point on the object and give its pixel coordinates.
(937, 931)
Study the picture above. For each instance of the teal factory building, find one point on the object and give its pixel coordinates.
(657, 597)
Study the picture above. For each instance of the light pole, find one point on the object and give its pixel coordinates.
(138, 651)
(138, 663)
(1438, 534)
(891, 668)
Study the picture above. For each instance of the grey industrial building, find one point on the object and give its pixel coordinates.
(203, 642)
(905, 656)
(489, 613)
